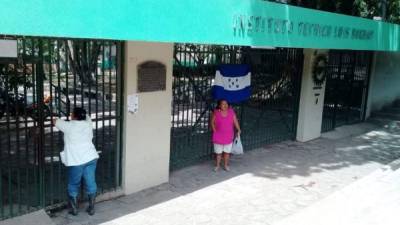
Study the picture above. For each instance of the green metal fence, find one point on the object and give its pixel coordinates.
(48, 78)
(269, 116)
(346, 89)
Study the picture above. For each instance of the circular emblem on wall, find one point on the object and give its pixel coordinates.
(319, 69)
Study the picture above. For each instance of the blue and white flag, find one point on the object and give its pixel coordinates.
(232, 83)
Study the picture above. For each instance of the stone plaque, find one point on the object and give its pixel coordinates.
(151, 76)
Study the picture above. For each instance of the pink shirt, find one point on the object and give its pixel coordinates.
(224, 127)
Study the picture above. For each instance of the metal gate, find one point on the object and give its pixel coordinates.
(269, 116)
(346, 88)
(48, 78)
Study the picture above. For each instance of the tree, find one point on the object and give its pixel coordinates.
(389, 10)
(83, 56)
(339, 6)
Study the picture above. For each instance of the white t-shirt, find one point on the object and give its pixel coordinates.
(78, 145)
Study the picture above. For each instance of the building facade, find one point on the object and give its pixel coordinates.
(146, 80)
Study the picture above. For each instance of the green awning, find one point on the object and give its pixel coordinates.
(234, 22)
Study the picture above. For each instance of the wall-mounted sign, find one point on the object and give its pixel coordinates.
(230, 22)
(319, 69)
(152, 76)
(249, 24)
(133, 103)
(8, 49)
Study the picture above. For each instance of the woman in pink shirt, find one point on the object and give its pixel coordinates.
(223, 122)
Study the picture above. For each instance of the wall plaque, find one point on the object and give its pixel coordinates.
(151, 76)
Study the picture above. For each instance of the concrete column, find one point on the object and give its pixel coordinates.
(370, 85)
(311, 100)
(147, 132)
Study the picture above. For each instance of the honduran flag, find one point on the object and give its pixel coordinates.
(232, 83)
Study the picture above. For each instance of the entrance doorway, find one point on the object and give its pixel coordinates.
(346, 89)
(269, 116)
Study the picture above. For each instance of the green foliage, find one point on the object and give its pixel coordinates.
(339, 6)
(371, 8)
(13, 76)
(362, 8)
(393, 14)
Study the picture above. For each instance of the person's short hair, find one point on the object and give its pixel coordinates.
(79, 113)
(220, 101)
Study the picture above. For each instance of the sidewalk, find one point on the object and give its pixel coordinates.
(265, 186)
(374, 200)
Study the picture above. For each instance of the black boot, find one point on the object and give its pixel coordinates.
(90, 208)
(73, 204)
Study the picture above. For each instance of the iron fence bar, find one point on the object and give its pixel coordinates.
(59, 110)
(8, 146)
(336, 86)
(1, 189)
(1, 167)
(109, 153)
(41, 140)
(17, 135)
(90, 87)
(103, 110)
(85, 48)
(29, 202)
(52, 194)
(119, 110)
(66, 46)
(10, 195)
(74, 71)
(97, 107)
(350, 91)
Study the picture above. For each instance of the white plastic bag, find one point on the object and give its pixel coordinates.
(237, 147)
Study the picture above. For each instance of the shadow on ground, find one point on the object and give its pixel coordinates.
(273, 162)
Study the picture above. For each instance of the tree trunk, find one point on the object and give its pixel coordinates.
(83, 57)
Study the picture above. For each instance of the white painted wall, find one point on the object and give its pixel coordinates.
(310, 111)
(385, 80)
(146, 133)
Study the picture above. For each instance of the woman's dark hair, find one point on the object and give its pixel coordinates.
(220, 101)
(79, 113)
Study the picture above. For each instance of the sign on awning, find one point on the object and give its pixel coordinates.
(8, 49)
(222, 22)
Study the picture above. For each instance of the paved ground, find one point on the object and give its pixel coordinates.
(266, 186)
(373, 200)
(36, 218)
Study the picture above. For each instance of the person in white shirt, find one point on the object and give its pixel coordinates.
(80, 157)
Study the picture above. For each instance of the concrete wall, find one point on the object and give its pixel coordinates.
(147, 132)
(385, 80)
(311, 101)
